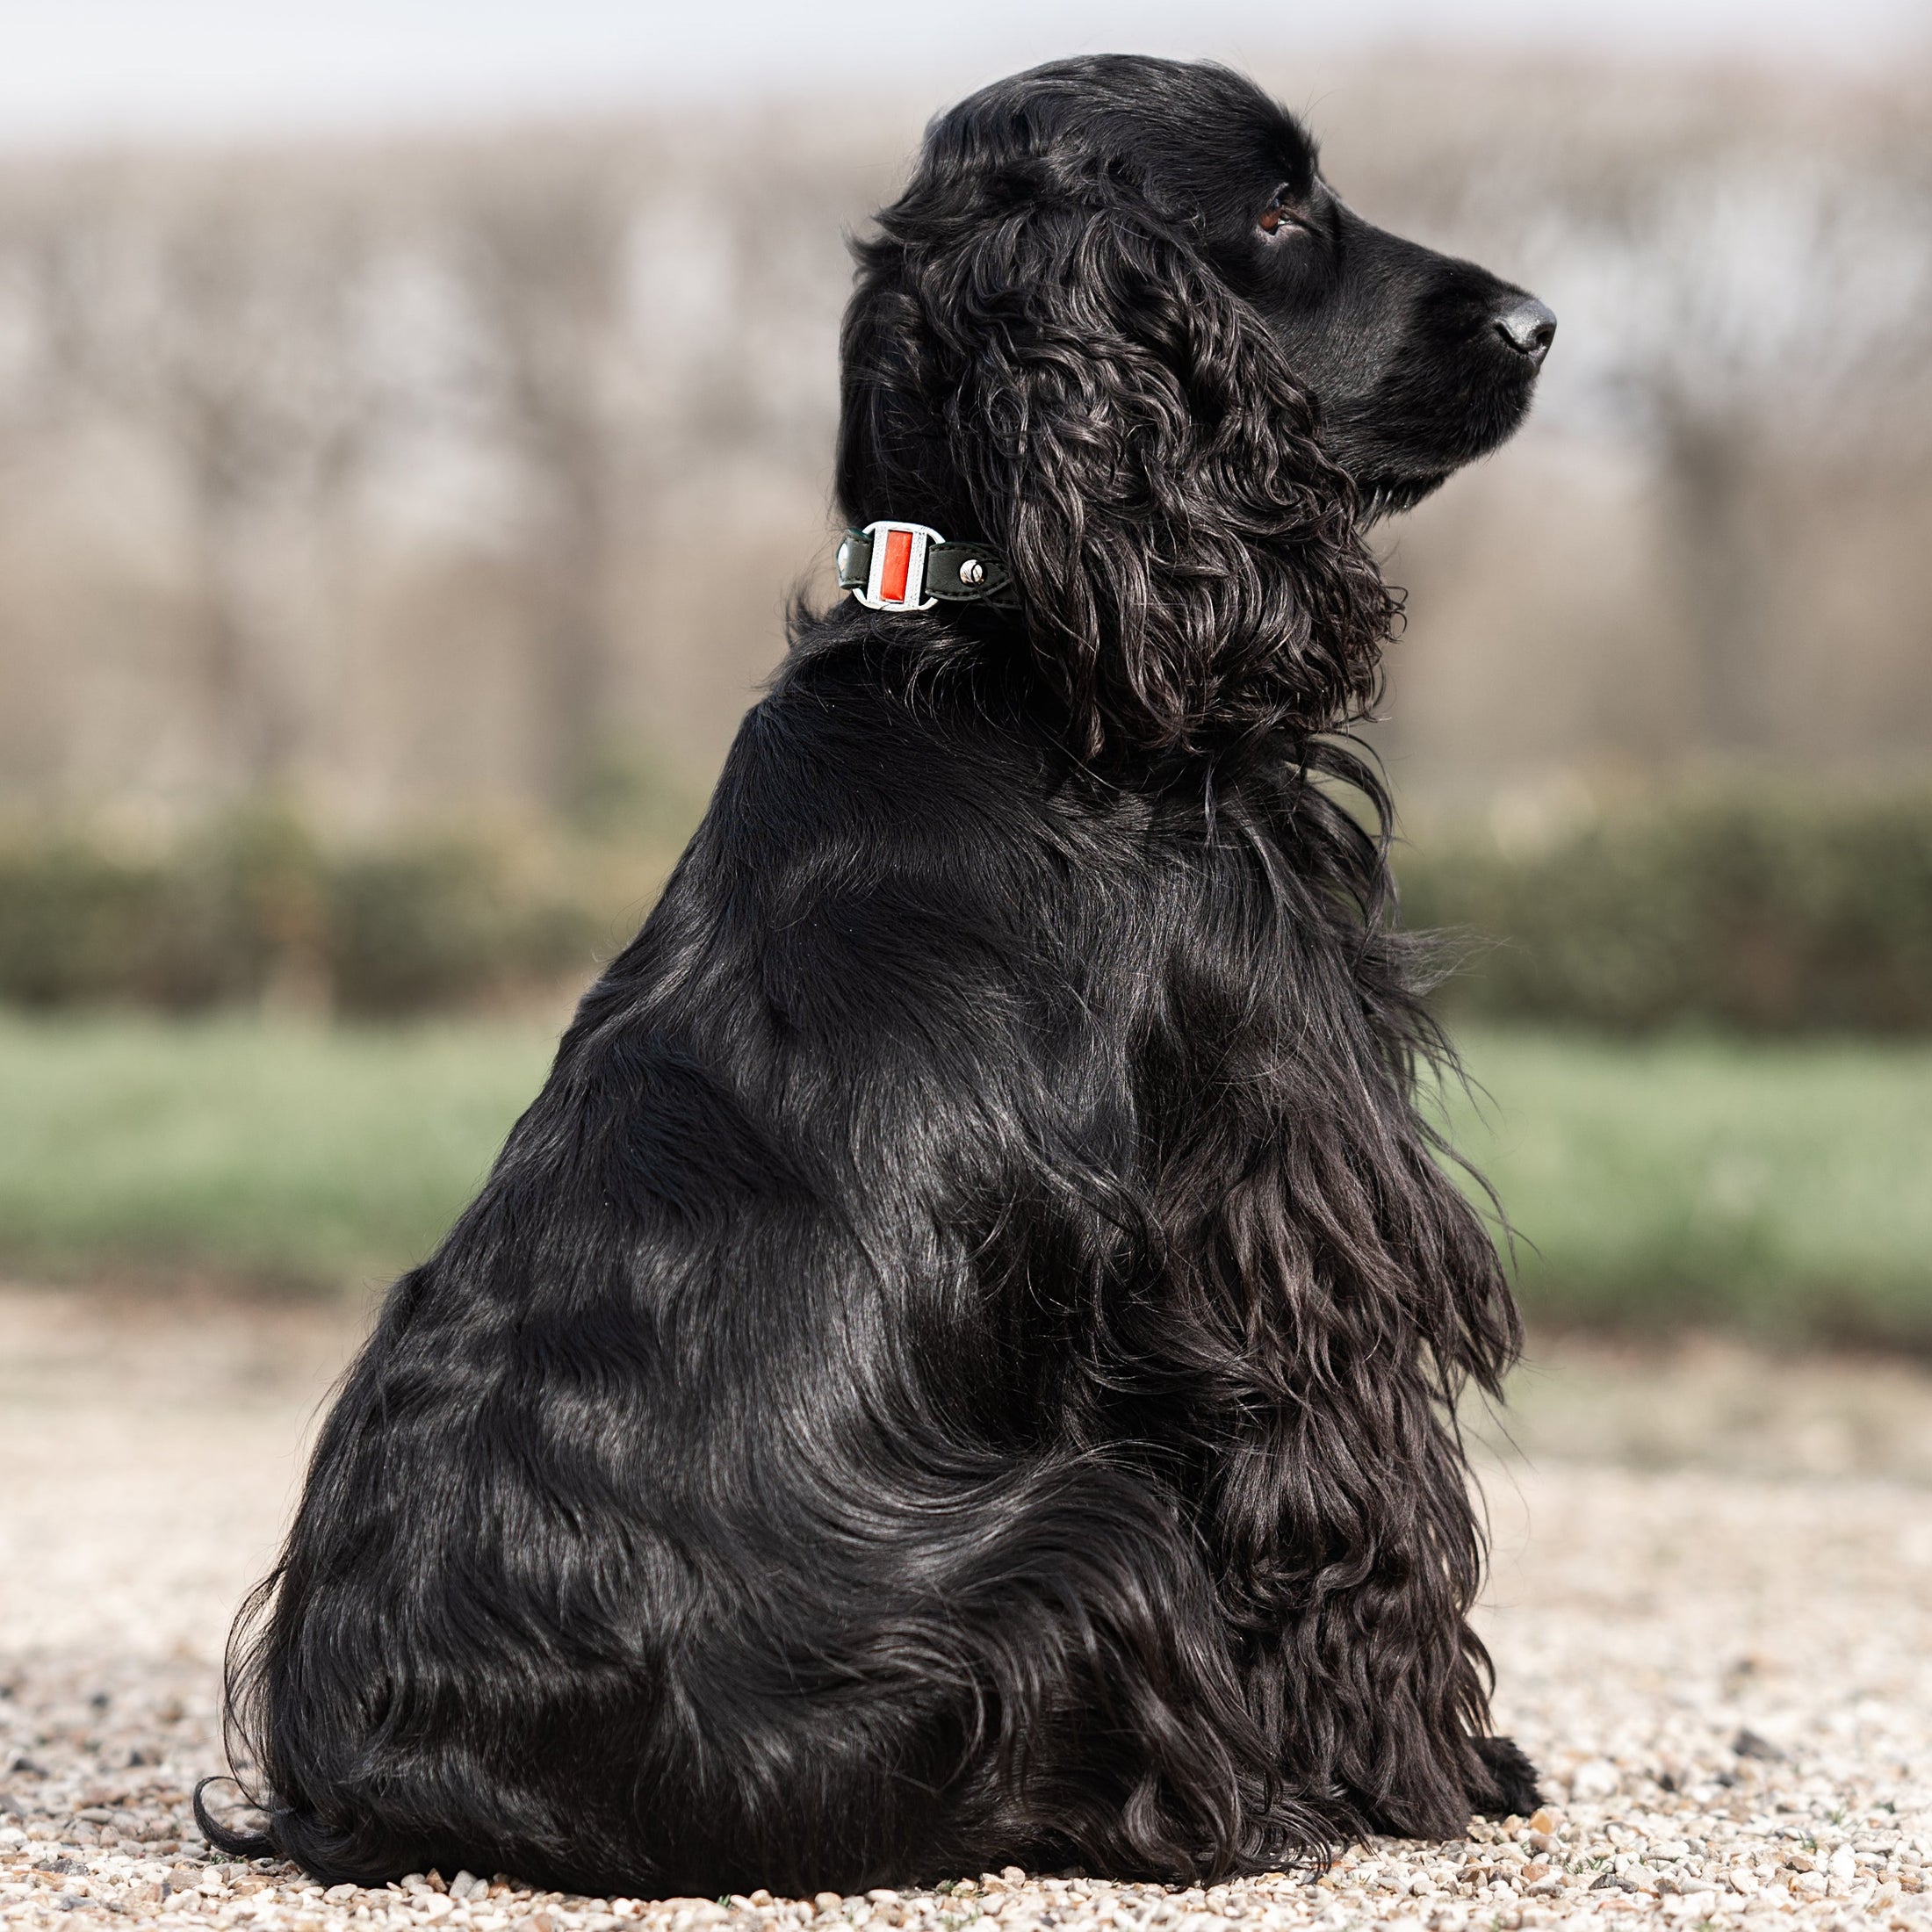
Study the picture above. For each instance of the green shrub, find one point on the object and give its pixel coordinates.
(1778, 912)
(72, 918)
(445, 925)
(1772, 913)
(255, 909)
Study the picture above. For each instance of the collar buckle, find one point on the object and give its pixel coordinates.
(896, 579)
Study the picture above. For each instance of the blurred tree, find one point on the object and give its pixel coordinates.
(41, 317)
(541, 256)
(1746, 270)
(1771, 313)
(638, 320)
(218, 318)
(485, 460)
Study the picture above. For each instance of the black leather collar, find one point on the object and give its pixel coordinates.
(889, 565)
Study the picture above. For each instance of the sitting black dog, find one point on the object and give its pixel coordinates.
(956, 1366)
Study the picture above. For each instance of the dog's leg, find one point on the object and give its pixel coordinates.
(1105, 1726)
(1350, 1555)
(1330, 1490)
(1513, 1779)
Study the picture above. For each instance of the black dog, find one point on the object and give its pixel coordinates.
(957, 1365)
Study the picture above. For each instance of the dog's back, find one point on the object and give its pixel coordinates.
(695, 1517)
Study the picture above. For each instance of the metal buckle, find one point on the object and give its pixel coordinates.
(900, 565)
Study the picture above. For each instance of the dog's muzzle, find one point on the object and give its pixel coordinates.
(910, 566)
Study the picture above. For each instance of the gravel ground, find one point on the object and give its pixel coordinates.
(1712, 1610)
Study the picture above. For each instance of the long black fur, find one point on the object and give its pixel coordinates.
(957, 1365)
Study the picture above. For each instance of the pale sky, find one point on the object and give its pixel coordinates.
(85, 70)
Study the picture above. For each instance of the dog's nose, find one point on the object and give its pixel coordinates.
(1528, 327)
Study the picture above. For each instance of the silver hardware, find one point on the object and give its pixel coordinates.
(972, 572)
(912, 597)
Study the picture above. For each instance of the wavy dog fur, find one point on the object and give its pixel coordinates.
(957, 1365)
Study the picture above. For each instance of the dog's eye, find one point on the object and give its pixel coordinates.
(1278, 217)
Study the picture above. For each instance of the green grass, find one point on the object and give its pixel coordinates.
(1778, 1189)
(1782, 1189)
(236, 1149)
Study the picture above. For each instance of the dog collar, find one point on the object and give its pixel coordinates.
(910, 566)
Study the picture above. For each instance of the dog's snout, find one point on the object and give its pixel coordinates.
(1528, 326)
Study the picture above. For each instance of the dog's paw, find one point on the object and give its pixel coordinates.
(1510, 1782)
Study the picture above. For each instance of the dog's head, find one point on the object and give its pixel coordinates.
(1119, 328)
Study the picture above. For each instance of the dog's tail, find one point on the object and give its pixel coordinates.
(237, 1844)
(251, 1737)
(238, 1678)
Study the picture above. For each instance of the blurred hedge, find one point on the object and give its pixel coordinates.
(257, 910)
(1760, 912)
(1767, 913)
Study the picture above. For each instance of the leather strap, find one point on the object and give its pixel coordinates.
(948, 576)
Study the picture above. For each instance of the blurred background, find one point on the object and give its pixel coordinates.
(370, 374)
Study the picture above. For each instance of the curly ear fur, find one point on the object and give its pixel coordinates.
(1124, 428)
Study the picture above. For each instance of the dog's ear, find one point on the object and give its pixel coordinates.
(1132, 439)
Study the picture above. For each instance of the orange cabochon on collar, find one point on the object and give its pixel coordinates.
(898, 564)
